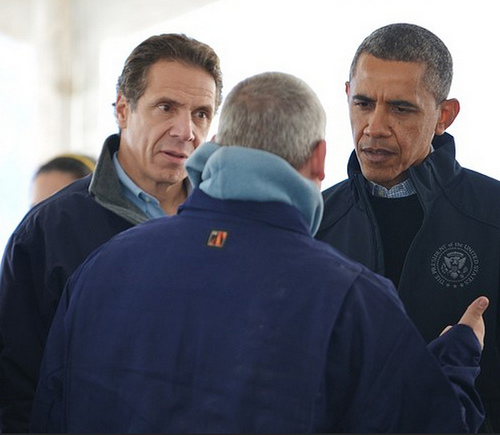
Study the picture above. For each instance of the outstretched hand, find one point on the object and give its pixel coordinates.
(473, 317)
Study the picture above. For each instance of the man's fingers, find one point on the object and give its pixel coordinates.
(445, 330)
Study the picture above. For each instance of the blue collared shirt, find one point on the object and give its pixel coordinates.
(401, 190)
(147, 203)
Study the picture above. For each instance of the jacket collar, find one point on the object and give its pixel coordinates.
(248, 174)
(105, 186)
(439, 166)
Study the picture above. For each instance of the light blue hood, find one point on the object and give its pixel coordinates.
(241, 173)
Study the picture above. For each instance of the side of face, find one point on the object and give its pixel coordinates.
(393, 117)
(170, 120)
(314, 168)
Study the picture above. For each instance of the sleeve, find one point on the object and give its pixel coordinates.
(458, 353)
(19, 340)
(47, 414)
(390, 380)
(26, 310)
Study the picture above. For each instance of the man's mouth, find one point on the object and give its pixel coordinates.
(176, 155)
(376, 155)
(173, 156)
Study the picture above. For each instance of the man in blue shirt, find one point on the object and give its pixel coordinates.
(230, 317)
(168, 94)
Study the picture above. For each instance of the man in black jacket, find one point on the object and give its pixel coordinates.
(168, 93)
(408, 210)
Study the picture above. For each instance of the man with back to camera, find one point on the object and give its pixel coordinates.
(271, 330)
(408, 210)
(167, 96)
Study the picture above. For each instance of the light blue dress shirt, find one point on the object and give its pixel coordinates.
(147, 203)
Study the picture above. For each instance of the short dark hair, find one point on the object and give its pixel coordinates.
(411, 43)
(174, 47)
(78, 165)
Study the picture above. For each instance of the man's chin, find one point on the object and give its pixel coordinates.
(384, 181)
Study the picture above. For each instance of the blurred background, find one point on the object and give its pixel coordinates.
(60, 60)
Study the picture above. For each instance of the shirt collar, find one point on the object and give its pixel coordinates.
(147, 203)
(401, 190)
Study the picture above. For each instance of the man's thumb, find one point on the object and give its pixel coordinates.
(475, 311)
(473, 317)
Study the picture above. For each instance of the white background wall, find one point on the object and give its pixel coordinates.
(57, 86)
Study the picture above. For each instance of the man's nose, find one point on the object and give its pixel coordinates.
(183, 127)
(378, 124)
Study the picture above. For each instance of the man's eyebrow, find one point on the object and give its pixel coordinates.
(164, 100)
(364, 98)
(208, 109)
(394, 103)
(402, 103)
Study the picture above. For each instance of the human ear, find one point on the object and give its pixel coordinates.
(122, 109)
(317, 162)
(314, 168)
(448, 112)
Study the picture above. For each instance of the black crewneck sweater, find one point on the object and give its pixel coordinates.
(399, 220)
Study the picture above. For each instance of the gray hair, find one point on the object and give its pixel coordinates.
(411, 43)
(274, 112)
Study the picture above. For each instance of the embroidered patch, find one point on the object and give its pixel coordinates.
(455, 265)
(217, 238)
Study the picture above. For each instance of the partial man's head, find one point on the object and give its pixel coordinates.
(167, 96)
(397, 92)
(278, 113)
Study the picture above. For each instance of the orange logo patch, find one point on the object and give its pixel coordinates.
(217, 238)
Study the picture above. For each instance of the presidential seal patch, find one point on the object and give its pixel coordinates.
(455, 265)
